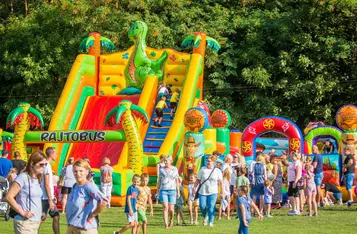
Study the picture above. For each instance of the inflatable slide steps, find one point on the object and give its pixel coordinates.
(155, 136)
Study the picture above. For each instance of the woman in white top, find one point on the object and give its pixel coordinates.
(168, 186)
(158, 166)
(208, 190)
(27, 190)
(294, 174)
(67, 173)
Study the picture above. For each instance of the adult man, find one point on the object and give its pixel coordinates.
(349, 172)
(5, 164)
(48, 197)
(18, 163)
(319, 174)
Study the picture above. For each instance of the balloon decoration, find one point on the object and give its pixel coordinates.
(346, 117)
(196, 119)
(221, 120)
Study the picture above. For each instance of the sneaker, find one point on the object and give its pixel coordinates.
(196, 223)
(115, 232)
(211, 224)
(339, 202)
(269, 216)
(159, 125)
(171, 117)
(308, 215)
(205, 221)
(349, 204)
(298, 212)
(292, 213)
(229, 218)
(191, 222)
(315, 214)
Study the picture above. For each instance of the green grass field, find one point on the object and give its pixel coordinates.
(336, 219)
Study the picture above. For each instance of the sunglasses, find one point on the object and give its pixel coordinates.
(208, 161)
(42, 164)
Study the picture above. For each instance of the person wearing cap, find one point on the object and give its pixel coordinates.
(5, 164)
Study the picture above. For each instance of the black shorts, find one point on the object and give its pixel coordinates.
(231, 189)
(293, 192)
(66, 190)
(173, 105)
(159, 113)
(46, 209)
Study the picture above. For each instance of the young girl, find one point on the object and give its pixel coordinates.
(310, 190)
(244, 204)
(192, 203)
(268, 197)
(180, 202)
(226, 198)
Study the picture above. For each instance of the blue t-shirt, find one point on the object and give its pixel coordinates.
(5, 166)
(133, 192)
(246, 201)
(82, 201)
(318, 159)
(23, 198)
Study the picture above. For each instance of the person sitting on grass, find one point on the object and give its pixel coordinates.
(332, 193)
(130, 206)
(173, 102)
(144, 198)
(159, 111)
(180, 202)
(244, 205)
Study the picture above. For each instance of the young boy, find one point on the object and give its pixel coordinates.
(143, 198)
(130, 206)
(159, 111)
(173, 102)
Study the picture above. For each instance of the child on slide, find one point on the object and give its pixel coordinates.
(173, 102)
(159, 111)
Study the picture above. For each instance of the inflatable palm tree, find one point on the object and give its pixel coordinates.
(125, 114)
(94, 43)
(22, 118)
(199, 41)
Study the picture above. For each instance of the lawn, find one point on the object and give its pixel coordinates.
(337, 219)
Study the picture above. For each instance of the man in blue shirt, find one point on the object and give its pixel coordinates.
(5, 164)
(319, 174)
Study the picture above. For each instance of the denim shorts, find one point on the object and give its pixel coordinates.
(168, 196)
(337, 196)
(132, 218)
(349, 180)
(318, 178)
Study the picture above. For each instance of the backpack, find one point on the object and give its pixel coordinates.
(107, 177)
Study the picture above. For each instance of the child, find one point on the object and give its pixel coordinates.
(12, 175)
(144, 198)
(163, 91)
(310, 190)
(244, 204)
(173, 102)
(159, 111)
(226, 198)
(179, 205)
(268, 197)
(130, 206)
(241, 178)
(192, 203)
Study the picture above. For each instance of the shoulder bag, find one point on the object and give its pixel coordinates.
(199, 187)
(12, 212)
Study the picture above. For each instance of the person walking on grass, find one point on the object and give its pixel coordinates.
(294, 175)
(130, 206)
(169, 190)
(193, 203)
(69, 181)
(106, 179)
(159, 111)
(244, 206)
(226, 198)
(143, 199)
(85, 202)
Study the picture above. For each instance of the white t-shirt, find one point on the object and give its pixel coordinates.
(191, 195)
(292, 171)
(226, 187)
(69, 179)
(211, 185)
(168, 178)
(163, 90)
(233, 175)
(48, 170)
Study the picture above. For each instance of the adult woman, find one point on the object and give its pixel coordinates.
(259, 176)
(209, 179)
(294, 174)
(168, 186)
(84, 203)
(27, 190)
(277, 181)
(106, 178)
(67, 174)
(158, 166)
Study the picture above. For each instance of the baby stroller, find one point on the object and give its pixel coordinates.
(4, 187)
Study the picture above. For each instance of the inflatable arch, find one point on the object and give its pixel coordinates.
(324, 131)
(271, 124)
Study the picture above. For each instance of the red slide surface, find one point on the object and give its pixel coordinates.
(93, 119)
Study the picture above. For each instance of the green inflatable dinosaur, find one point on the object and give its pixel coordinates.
(140, 66)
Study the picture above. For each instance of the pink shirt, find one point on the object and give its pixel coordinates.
(292, 170)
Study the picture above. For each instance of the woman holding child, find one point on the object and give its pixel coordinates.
(168, 186)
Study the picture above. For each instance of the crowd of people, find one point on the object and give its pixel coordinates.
(250, 191)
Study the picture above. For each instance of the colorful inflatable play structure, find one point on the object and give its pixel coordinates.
(107, 108)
